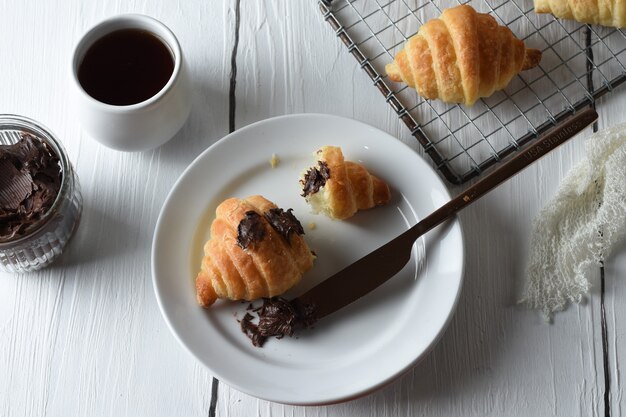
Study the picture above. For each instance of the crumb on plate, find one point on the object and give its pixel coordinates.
(274, 161)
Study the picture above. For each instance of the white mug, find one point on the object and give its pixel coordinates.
(144, 125)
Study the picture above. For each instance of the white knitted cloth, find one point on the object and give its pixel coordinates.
(577, 229)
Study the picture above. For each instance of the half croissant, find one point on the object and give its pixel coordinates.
(339, 188)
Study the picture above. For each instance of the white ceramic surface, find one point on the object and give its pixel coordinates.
(140, 126)
(362, 346)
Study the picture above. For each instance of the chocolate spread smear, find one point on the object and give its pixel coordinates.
(277, 317)
(284, 222)
(30, 180)
(250, 229)
(315, 178)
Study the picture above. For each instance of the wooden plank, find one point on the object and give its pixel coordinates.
(613, 290)
(85, 337)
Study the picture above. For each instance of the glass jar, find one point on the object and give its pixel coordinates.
(43, 241)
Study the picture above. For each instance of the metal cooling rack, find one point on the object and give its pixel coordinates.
(580, 64)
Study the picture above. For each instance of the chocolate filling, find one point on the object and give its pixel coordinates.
(30, 180)
(277, 317)
(315, 178)
(284, 222)
(250, 229)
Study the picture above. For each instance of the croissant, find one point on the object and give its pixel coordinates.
(256, 250)
(460, 57)
(339, 188)
(598, 12)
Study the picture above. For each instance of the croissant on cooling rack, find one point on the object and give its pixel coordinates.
(598, 12)
(460, 57)
(338, 188)
(256, 250)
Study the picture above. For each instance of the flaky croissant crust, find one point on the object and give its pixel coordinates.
(460, 57)
(264, 268)
(600, 12)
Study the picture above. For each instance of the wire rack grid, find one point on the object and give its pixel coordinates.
(580, 63)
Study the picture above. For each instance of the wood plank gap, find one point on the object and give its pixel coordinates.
(233, 72)
(603, 326)
(232, 107)
(213, 405)
(590, 68)
(605, 349)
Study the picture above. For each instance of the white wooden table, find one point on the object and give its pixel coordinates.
(85, 336)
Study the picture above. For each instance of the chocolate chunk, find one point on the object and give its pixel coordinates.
(250, 229)
(278, 317)
(315, 178)
(30, 180)
(284, 222)
(252, 330)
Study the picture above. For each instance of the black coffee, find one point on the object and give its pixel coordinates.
(125, 67)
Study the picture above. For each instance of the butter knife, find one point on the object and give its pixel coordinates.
(371, 271)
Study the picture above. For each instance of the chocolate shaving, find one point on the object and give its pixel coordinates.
(30, 180)
(284, 222)
(315, 178)
(252, 330)
(277, 317)
(250, 229)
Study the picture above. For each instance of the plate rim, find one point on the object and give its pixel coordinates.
(455, 221)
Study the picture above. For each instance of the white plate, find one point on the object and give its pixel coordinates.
(355, 350)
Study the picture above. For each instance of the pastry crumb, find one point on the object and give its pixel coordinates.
(274, 160)
(312, 226)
